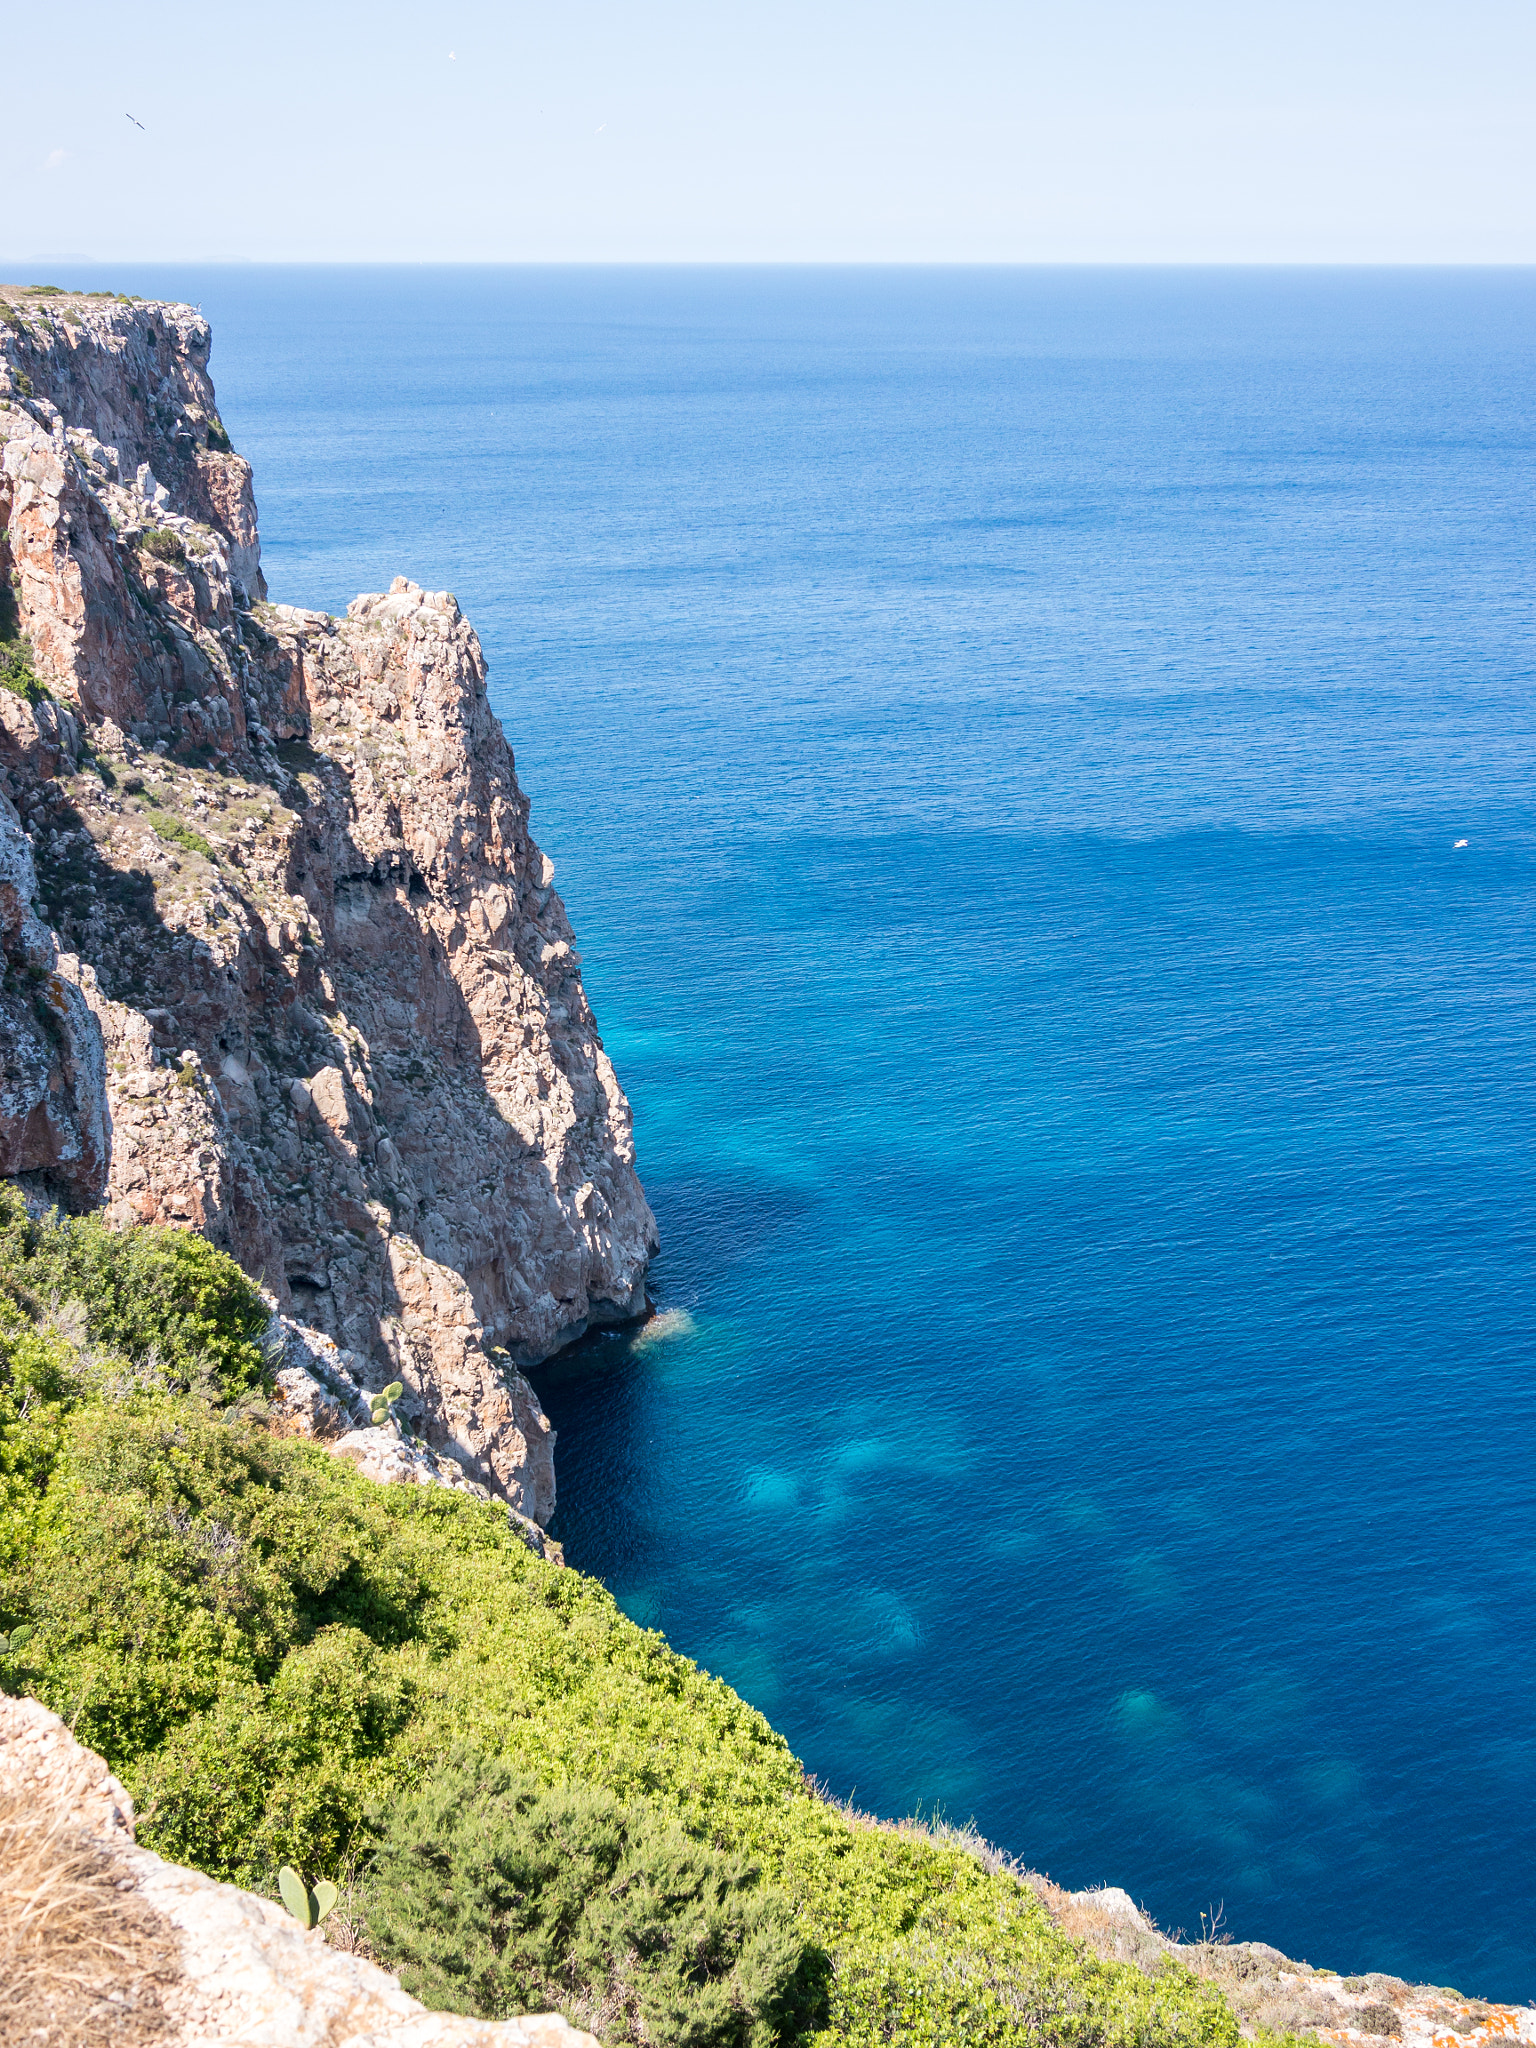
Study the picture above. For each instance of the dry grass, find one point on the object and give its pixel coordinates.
(346, 1929)
(1115, 1936)
(1271, 1994)
(83, 1961)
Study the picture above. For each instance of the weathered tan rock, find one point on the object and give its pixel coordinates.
(342, 1016)
(304, 1407)
(42, 1760)
(319, 1393)
(1272, 1995)
(250, 1976)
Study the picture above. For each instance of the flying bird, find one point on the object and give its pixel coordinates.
(136, 122)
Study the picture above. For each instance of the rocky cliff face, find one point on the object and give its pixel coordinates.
(283, 964)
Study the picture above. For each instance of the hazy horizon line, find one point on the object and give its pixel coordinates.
(789, 262)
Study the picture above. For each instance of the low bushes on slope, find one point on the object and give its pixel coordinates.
(494, 1895)
(282, 1660)
(163, 1299)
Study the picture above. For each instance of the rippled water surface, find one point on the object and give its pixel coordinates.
(1003, 738)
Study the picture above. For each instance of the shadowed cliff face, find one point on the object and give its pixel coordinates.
(309, 987)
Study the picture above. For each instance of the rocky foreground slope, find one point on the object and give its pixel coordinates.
(282, 962)
(105, 1942)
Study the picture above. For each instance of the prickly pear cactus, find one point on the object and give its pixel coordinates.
(308, 1907)
(381, 1404)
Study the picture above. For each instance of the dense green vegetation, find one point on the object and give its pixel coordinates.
(495, 1895)
(287, 1663)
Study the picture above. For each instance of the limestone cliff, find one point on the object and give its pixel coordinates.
(283, 964)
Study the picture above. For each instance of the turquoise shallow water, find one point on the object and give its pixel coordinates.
(1002, 737)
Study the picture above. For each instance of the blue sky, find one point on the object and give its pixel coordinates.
(586, 130)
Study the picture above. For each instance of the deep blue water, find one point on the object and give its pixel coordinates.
(1002, 737)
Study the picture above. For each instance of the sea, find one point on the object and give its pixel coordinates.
(1040, 765)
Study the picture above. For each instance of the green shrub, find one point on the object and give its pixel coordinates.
(163, 1298)
(17, 673)
(175, 833)
(40, 1381)
(991, 1973)
(496, 1896)
(164, 543)
(218, 438)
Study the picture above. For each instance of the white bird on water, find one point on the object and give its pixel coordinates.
(1460, 842)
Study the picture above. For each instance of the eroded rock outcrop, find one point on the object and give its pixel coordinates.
(1276, 1998)
(319, 1392)
(230, 1970)
(309, 987)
